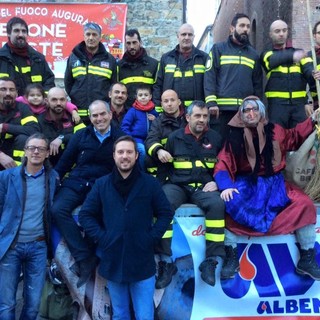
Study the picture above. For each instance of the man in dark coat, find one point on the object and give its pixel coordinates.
(118, 215)
(87, 157)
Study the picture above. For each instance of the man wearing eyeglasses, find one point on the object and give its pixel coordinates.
(26, 194)
(17, 123)
(258, 200)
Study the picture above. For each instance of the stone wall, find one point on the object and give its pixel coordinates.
(300, 26)
(157, 22)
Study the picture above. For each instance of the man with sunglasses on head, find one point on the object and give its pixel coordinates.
(26, 194)
(17, 123)
(90, 71)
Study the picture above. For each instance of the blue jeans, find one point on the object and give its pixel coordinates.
(142, 155)
(142, 299)
(65, 201)
(32, 258)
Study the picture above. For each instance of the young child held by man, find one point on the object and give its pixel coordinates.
(35, 97)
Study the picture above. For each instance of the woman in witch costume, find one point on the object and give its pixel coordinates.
(258, 199)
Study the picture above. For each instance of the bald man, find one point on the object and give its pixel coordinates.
(157, 160)
(288, 71)
(56, 123)
(182, 70)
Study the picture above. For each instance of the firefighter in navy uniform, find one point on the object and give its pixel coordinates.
(90, 71)
(288, 71)
(136, 68)
(21, 62)
(182, 70)
(17, 123)
(56, 123)
(233, 73)
(194, 150)
(172, 118)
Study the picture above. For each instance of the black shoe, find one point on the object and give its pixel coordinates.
(208, 271)
(165, 273)
(307, 265)
(230, 264)
(86, 268)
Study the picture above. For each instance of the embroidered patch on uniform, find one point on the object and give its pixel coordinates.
(147, 73)
(104, 64)
(77, 63)
(207, 146)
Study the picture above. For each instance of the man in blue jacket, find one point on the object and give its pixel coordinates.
(26, 194)
(87, 157)
(118, 215)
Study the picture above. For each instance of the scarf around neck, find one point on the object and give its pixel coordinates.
(148, 107)
(265, 145)
(130, 58)
(22, 52)
(124, 186)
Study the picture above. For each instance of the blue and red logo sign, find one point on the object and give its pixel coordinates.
(270, 283)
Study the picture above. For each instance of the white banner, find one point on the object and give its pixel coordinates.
(266, 286)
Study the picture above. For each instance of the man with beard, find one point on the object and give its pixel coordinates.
(118, 95)
(288, 71)
(56, 123)
(17, 123)
(182, 70)
(90, 71)
(20, 61)
(233, 72)
(136, 68)
(126, 224)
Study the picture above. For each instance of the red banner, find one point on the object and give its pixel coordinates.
(55, 28)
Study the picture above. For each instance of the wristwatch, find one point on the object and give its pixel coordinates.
(61, 137)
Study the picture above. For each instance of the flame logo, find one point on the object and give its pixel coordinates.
(248, 270)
